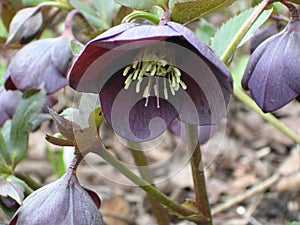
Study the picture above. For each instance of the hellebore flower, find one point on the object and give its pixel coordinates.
(148, 75)
(262, 35)
(272, 74)
(42, 62)
(9, 101)
(25, 25)
(62, 202)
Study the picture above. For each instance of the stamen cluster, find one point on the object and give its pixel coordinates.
(153, 65)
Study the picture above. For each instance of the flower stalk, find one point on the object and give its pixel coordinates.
(143, 184)
(141, 15)
(142, 163)
(59, 5)
(269, 117)
(226, 56)
(202, 202)
(238, 92)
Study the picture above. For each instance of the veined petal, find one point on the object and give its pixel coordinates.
(127, 114)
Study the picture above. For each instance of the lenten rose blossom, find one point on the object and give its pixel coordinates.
(272, 74)
(148, 75)
(42, 63)
(62, 202)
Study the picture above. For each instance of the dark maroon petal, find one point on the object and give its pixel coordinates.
(127, 114)
(209, 56)
(205, 100)
(114, 31)
(267, 83)
(145, 32)
(94, 197)
(102, 52)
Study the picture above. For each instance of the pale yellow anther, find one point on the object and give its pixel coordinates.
(126, 70)
(152, 65)
(153, 70)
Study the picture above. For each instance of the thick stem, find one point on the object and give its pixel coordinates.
(141, 15)
(293, 11)
(142, 163)
(243, 31)
(59, 5)
(202, 202)
(152, 191)
(242, 96)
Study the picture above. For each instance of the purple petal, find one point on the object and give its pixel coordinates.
(290, 59)
(209, 56)
(205, 132)
(262, 35)
(126, 112)
(61, 55)
(267, 83)
(9, 101)
(32, 67)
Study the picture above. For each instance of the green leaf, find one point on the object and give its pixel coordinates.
(34, 2)
(3, 152)
(238, 70)
(2, 74)
(184, 12)
(231, 28)
(56, 160)
(293, 223)
(76, 47)
(141, 5)
(89, 13)
(4, 161)
(205, 31)
(22, 123)
(106, 9)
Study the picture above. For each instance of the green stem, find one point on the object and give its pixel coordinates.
(27, 189)
(28, 180)
(226, 56)
(238, 92)
(152, 191)
(142, 163)
(242, 96)
(202, 202)
(141, 15)
(59, 5)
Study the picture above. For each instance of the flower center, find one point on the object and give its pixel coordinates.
(153, 65)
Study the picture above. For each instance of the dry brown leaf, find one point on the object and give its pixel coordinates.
(116, 211)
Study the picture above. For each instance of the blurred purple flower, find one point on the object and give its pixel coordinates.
(149, 75)
(62, 202)
(272, 74)
(9, 101)
(40, 63)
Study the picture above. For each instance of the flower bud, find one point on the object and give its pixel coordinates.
(62, 202)
(41, 63)
(25, 26)
(272, 74)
